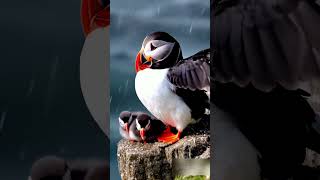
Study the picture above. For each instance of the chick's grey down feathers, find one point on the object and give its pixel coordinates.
(265, 42)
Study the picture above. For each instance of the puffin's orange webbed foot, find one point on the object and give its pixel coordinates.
(168, 137)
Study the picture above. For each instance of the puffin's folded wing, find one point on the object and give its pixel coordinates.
(266, 42)
(192, 73)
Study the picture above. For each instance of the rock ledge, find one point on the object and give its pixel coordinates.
(138, 161)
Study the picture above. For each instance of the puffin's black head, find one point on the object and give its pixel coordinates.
(124, 119)
(159, 50)
(143, 124)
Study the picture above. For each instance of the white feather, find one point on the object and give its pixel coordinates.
(155, 92)
(133, 136)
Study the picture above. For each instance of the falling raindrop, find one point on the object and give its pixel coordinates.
(190, 29)
(127, 83)
(54, 68)
(158, 10)
(22, 155)
(110, 99)
(119, 89)
(2, 120)
(203, 11)
(31, 87)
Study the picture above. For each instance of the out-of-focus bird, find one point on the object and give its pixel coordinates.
(263, 52)
(95, 14)
(49, 168)
(55, 168)
(94, 59)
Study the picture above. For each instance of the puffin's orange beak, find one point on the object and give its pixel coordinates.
(143, 134)
(138, 62)
(149, 59)
(141, 66)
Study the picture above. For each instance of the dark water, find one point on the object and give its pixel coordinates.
(42, 110)
(131, 21)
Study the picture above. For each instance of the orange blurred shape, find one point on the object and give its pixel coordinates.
(94, 14)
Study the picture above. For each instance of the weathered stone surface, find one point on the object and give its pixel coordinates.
(139, 161)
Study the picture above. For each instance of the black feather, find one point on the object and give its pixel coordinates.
(267, 43)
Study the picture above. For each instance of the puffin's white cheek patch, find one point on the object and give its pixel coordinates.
(138, 125)
(121, 122)
(162, 49)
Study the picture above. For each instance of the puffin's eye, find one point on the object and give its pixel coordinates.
(152, 47)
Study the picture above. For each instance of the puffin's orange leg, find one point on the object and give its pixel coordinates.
(168, 137)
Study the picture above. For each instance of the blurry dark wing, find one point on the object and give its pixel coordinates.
(192, 73)
(266, 42)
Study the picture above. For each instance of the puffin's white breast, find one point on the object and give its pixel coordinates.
(155, 92)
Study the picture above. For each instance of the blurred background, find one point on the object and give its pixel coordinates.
(42, 110)
(186, 20)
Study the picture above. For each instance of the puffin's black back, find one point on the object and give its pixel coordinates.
(190, 76)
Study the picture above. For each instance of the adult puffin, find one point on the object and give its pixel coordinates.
(173, 89)
(94, 59)
(263, 53)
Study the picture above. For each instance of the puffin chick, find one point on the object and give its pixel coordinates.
(147, 128)
(139, 126)
(125, 121)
